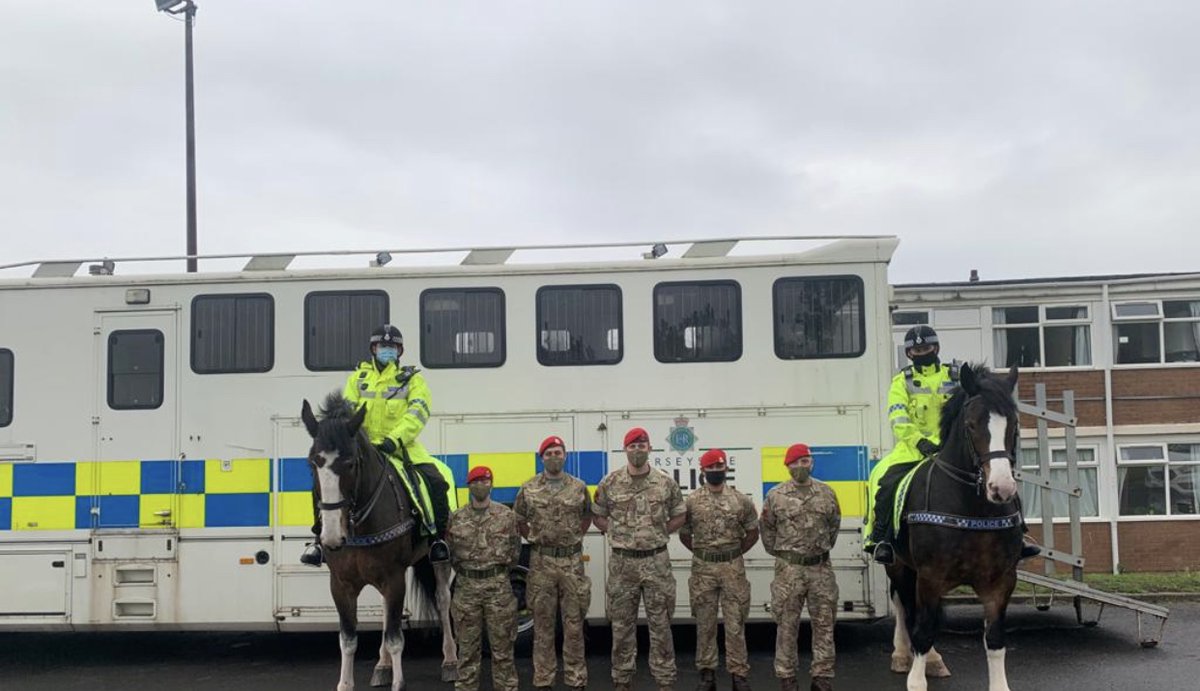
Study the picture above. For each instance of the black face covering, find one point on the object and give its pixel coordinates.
(927, 360)
(714, 477)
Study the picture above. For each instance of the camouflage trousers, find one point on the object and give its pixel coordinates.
(647, 580)
(554, 583)
(723, 584)
(792, 587)
(481, 603)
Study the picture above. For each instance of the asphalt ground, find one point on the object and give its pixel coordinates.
(1046, 650)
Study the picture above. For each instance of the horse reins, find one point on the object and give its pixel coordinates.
(358, 516)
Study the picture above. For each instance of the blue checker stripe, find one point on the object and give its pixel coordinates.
(294, 475)
(171, 477)
(589, 466)
(767, 488)
(505, 495)
(839, 463)
(191, 478)
(457, 463)
(116, 511)
(44, 480)
(236, 510)
(6, 514)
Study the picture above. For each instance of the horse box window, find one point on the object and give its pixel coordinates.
(6, 387)
(579, 325)
(338, 326)
(819, 317)
(233, 333)
(462, 327)
(135, 369)
(698, 321)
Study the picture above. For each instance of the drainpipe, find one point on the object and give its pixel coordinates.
(1110, 437)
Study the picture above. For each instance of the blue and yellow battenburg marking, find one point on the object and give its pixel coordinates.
(843, 468)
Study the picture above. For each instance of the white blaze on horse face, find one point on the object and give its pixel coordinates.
(1000, 483)
(332, 533)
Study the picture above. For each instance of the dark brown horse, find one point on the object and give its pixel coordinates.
(961, 526)
(370, 537)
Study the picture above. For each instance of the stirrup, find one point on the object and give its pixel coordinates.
(312, 555)
(884, 554)
(439, 551)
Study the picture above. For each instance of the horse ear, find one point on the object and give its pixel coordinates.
(357, 420)
(1012, 378)
(966, 377)
(310, 420)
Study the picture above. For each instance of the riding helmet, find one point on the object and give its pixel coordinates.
(920, 335)
(387, 335)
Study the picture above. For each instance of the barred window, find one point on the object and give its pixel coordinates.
(819, 318)
(462, 327)
(6, 387)
(338, 326)
(579, 325)
(233, 333)
(698, 321)
(135, 369)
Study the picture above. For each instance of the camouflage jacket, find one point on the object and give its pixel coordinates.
(553, 510)
(801, 518)
(638, 508)
(718, 520)
(483, 538)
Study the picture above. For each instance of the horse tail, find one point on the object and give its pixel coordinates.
(426, 583)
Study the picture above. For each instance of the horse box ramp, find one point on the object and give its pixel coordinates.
(1148, 637)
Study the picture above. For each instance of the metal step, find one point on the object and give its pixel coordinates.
(1081, 591)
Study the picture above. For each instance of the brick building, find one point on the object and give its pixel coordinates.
(1129, 348)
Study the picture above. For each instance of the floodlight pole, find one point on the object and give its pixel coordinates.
(189, 16)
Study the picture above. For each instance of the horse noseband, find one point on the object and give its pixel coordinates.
(334, 506)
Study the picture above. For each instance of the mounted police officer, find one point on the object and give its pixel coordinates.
(914, 410)
(397, 402)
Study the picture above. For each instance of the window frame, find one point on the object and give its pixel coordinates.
(501, 338)
(1164, 462)
(537, 325)
(108, 374)
(235, 296)
(1093, 464)
(7, 353)
(1043, 322)
(1160, 320)
(896, 325)
(862, 314)
(741, 346)
(387, 316)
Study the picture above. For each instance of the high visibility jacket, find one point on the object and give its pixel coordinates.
(397, 401)
(915, 402)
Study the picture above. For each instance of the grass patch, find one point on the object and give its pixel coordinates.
(1124, 583)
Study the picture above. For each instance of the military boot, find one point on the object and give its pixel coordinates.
(622, 686)
(708, 680)
(788, 684)
(821, 684)
(541, 688)
(739, 682)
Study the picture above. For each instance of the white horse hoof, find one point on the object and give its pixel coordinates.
(901, 664)
(345, 687)
(450, 672)
(382, 676)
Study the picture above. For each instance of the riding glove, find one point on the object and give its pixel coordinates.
(927, 448)
(387, 447)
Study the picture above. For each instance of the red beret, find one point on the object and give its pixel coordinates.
(712, 457)
(479, 472)
(796, 451)
(551, 441)
(635, 435)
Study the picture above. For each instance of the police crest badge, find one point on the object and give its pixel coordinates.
(681, 437)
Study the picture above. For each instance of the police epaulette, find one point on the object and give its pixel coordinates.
(406, 373)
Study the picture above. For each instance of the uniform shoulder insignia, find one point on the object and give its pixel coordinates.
(406, 372)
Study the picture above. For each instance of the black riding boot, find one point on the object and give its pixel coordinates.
(312, 555)
(884, 554)
(439, 551)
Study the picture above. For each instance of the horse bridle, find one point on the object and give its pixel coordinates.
(967, 478)
(359, 516)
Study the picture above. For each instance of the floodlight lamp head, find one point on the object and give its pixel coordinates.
(658, 250)
(169, 5)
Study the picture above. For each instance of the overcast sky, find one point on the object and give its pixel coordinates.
(1022, 139)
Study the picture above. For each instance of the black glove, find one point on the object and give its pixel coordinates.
(387, 447)
(927, 448)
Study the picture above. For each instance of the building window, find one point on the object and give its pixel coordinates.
(909, 318)
(579, 325)
(135, 369)
(698, 321)
(1159, 479)
(1031, 495)
(338, 326)
(233, 333)
(6, 387)
(462, 327)
(819, 318)
(1157, 332)
(1042, 336)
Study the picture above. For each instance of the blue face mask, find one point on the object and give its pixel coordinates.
(387, 355)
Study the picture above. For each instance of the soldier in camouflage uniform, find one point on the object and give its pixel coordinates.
(800, 522)
(484, 542)
(639, 507)
(721, 525)
(554, 511)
